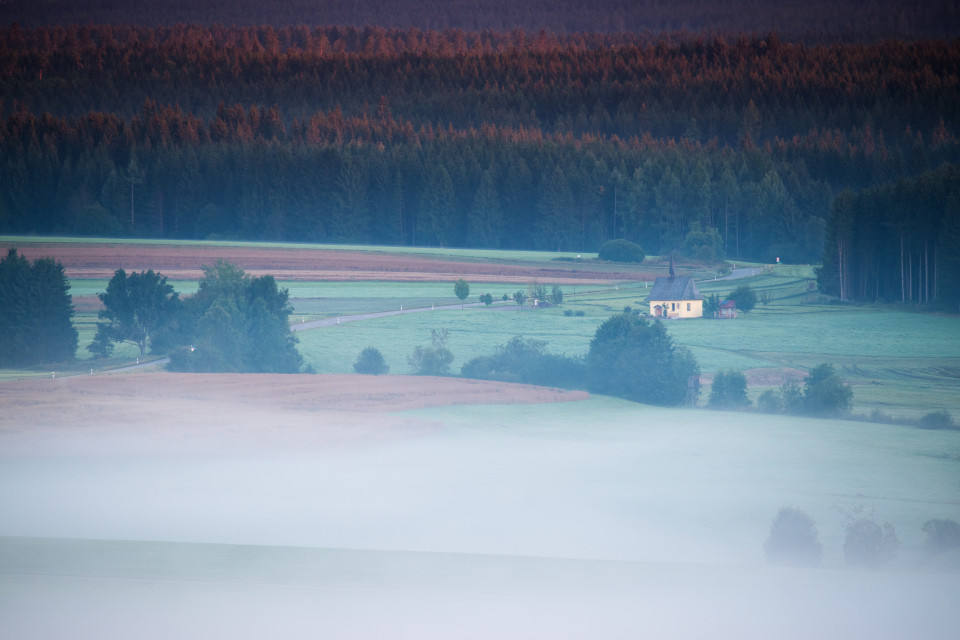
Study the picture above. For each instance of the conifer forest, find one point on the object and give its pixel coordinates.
(829, 147)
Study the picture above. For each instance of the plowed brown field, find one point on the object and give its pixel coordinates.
(306, 264)
(188, 413)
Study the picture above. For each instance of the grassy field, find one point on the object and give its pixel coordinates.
(901, 362)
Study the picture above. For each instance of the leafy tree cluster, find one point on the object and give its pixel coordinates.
(745, 297)
(808, 19)
(236, 323)
(898, 242)
(434, 360)
(824, 393)
(869, 544)
(628, 358)
(729, 390)
(621, 250)
(36, 312)
(526, 361)
(943, 535)
(633, 359)
(793, 539)
(371, 362)
(138, 309)
(711, 146)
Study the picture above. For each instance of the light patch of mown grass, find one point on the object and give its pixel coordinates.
(93, 286)
(858, 333)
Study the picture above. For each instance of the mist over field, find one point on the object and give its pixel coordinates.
(560, 519)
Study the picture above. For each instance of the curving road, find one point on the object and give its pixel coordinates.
(330, 322)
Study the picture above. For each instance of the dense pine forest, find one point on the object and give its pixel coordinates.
(714, 146)
(896, 242)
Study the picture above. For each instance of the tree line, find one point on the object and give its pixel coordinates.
(897, 242)
(708, 145)
(36, 312)
(234, 323)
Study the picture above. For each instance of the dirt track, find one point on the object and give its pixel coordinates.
(295, 264)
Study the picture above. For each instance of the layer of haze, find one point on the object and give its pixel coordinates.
(528, 521)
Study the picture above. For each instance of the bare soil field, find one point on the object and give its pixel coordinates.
(306, 264)
(192, 413)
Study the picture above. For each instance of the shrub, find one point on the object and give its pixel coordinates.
(937, 420)
(868, 544)
(621, 251)
(942, 535)
(486, 299)
(434, 360)
(745, 297)
(825, 392)
(556, 295)
(370, 361)
(711, 305)
(793, 539)
(729, 390)
(526, 361)
(770, 402)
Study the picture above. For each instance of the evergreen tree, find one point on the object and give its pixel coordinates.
(36, 312)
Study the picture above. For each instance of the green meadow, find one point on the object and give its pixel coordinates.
(902, 362)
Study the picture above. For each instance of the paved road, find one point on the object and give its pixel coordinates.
(745, 272)
(316, 324)
(331, 322)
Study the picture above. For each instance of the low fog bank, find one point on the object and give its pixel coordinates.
(522, 521)
(112, 589)
(530, 481)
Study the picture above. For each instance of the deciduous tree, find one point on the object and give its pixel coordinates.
(633, 359)
(137, 307)
(370, 362)
(237, 323)
(745, 297)
(729, 390)
(434, 360)
(462, 289)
